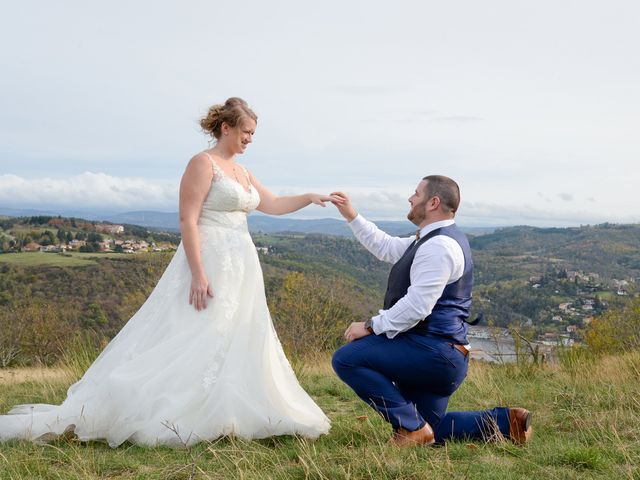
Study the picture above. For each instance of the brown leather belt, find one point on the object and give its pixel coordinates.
(461, 349)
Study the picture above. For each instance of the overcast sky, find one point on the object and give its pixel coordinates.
(533, 107)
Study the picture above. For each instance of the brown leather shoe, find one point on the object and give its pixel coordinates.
(519, 425)
(404, 438)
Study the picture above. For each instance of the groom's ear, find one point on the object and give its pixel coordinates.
(434, 203)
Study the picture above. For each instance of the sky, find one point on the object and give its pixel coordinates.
(532, 107)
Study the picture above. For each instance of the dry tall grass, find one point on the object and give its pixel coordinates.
(585, 421)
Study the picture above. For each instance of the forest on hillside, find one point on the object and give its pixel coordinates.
(551, 281)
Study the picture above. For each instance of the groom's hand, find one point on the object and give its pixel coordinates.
(355, 331)
(345, 208)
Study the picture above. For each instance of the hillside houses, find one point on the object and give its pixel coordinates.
(76, 244)
(552, 339)
(31, 247)
(621, 286)
(124, 246)
(93, 242)
(110, 229)
(583, 277)
(52, 248)
(131, 246)
(581, 295)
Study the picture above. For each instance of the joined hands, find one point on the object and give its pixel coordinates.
(318, 199)
(344, 206)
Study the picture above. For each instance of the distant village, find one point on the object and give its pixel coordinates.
(591, 295)
(60, 235)
(106, 246)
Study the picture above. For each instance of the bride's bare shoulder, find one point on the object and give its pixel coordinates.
(200, 162)
(198, 169)
(202, 158)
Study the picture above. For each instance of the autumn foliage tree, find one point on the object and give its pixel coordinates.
(310, 314)
(34, 332)
(616, 330)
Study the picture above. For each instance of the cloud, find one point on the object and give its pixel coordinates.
(388, 203)
(107, 193)
(391, 203)
(88, 190)
(485, 214)
(425, 115)
(567, 197)
(458, 119)
(544, 197)
(366, 89)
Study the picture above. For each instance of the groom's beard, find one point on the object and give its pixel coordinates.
(416, 214)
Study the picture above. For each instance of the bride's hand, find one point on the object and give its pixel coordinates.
(200, 290)
(345, 207)
(320, 199)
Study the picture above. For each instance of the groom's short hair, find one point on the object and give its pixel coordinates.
(445, 189)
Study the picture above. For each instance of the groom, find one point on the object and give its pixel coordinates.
(407, 361)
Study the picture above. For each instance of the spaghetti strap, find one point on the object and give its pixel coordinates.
(246, 174)
(217, 171)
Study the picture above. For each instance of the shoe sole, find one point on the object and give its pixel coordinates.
(527, 422)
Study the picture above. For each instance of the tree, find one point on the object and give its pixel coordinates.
(310, 317)
(47, 238)
(94, 237)
(94, 316)
(38, 332)
(615, 330)
(90, 248)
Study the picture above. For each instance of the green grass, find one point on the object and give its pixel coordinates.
(585, 423)
(84, 255)
(605, 295)
(70, 259)
(30, 259)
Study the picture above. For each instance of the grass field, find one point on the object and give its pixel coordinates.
(585, 423)
(70, 259)
(605, 295)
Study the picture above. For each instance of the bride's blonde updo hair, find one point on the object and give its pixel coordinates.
(232, 113)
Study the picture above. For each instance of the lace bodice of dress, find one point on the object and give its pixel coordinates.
(227, 203)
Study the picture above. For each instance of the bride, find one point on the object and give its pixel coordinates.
(201, 358)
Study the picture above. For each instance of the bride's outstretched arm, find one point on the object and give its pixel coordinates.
(279, 205)
(194, 187)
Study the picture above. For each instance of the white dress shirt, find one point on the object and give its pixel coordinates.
(438, 262)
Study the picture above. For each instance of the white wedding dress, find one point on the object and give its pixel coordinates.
(174, 375)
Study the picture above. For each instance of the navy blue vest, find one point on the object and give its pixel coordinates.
(451, 311)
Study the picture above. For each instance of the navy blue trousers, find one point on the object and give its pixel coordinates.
(409, 379)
